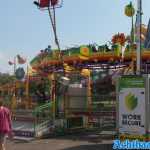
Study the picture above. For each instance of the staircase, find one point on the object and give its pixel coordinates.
(29, 124)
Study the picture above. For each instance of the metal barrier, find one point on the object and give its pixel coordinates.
(32, 123)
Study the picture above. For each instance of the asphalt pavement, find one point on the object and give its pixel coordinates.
(69, 142)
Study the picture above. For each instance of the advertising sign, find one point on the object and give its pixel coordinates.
(131, 105)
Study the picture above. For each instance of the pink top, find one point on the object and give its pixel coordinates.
(5, 120)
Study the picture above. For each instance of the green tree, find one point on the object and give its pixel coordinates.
(6, 78)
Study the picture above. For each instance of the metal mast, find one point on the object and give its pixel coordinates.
(139, 22)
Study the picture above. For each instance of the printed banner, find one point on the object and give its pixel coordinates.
(132, 105)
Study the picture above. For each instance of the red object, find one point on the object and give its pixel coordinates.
(5, 120)
(54, 2)
(44, 3)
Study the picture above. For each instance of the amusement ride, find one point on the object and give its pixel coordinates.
(75, 87)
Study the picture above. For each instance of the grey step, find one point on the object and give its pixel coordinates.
(22, 138)
(21, 133)
(107, 133)
(24, 112)
(23, 118)
(23, 125)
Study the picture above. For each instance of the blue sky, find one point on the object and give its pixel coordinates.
(25, 30)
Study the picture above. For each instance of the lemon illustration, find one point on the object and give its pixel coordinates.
(131, 101)
(84, 52)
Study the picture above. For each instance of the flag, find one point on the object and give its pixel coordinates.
(44, 3)
(21, 60)
(10, 63)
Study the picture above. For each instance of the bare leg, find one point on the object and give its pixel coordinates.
(2, 142)
(3, 147)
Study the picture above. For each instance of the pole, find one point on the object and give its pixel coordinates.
(14, 65)
(52, 93)
(139, 22)
(27, 78)
(13, 100)
(27, 89)
(132, 32)
(89, 95)
(53, 22)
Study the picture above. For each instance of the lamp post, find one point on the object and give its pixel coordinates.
(13, 100)
(15, 64)
(139, 22)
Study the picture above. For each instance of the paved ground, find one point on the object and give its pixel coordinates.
(88, 142)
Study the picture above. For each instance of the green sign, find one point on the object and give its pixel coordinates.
(131, 82)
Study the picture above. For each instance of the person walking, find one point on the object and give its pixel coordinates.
(5, 125)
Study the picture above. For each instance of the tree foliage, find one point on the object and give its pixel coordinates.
(6, 78)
